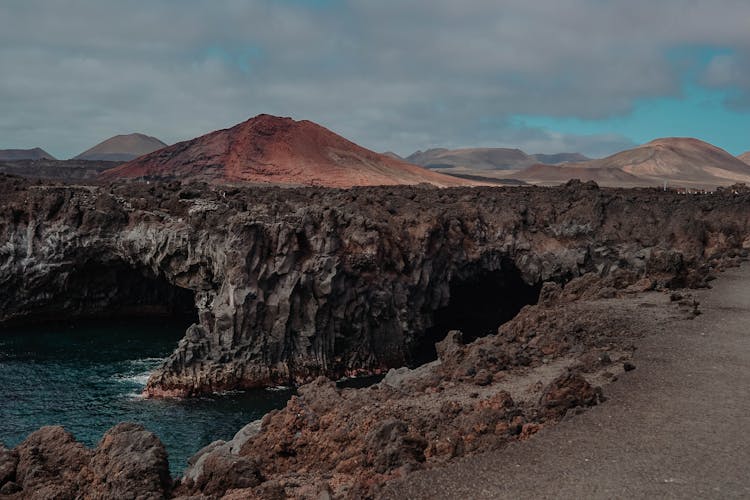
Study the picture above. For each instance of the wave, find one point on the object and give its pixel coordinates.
(232, 392)
(137, 371)
(138, 379)
(146, 361)
(135, 396)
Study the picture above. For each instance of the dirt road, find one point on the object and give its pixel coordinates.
(676, 427)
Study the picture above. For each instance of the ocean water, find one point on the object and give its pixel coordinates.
(88, 377)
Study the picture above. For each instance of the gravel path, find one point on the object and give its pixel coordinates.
(676, 427)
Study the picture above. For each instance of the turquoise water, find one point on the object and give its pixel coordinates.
(88, 377)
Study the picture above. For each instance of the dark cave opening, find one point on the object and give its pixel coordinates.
(118, 290)
(480, 301)
(108, 290)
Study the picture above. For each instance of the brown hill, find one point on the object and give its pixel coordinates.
(122, 148)
(745, 157)
(680, 162)
(272, 150)
(24, 154)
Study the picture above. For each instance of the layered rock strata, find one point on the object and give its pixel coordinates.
(290, 284)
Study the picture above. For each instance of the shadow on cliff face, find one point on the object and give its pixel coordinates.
(480, 301)
(108, 289)
(115, 289)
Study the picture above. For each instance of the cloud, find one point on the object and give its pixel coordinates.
(535, 140)
(390, 74)
(731, 72)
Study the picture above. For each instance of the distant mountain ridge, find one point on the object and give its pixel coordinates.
(557, 158)
(472, 158)
(25, 154)
(122, 148)
(676, 161)
(745, 157)
(65, 170)
(273, 150)
(476, 159)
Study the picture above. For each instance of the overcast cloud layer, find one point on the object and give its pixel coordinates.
(390, 75)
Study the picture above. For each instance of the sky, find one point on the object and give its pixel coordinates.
(590, 76)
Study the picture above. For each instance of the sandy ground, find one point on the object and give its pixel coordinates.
(676, 427)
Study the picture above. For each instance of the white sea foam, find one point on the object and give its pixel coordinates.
(135, 396)
(146, 361)
(278, 388)
(138, 372)
(136, 378)
(228, 393)
(139, 379)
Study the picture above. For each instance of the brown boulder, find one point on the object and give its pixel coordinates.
(451, 348)
(49, 462)
(569, 390)
(390, 445)
(222, 471)
(498, 414)
(129, 463)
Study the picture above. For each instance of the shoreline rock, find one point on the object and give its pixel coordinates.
(552, 360)
(129, 462)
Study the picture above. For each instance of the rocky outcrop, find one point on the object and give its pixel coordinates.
(128, 463)
(292, 284)
(49, 463)
(219, 467)
(569, 390)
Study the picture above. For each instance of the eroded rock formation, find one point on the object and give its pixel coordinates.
(293, 284)
(129, 462)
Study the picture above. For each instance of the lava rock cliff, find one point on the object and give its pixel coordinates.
(290, 284)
